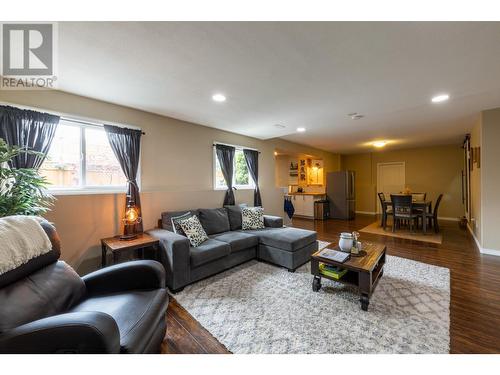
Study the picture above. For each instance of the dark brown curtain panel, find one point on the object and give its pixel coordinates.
(126, 144)
(252, 159)
(225, 155)
(29, 130)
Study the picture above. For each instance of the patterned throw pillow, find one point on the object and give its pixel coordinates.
(252, 218)
(176, 223)
(194, 231)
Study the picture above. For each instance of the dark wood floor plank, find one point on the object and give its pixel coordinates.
(474, 287)
(200, 334)
(179, 339)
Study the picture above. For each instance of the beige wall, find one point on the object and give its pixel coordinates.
(490, 179)
(176, 171)
(282, 170)
(433, 170)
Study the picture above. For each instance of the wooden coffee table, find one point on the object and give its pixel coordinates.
(363, 271)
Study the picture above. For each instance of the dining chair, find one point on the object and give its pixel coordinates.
(432, 217)
(386, 211)
(402, 209)
(419, 196)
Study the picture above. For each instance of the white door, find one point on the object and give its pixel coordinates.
(390, 180)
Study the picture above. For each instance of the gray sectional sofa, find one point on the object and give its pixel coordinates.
(228, 245)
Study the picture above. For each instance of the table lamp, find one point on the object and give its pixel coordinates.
(131, 218)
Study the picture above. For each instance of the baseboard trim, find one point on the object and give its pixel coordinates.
(366, 213)
(448, 218)
(482, 250)
(490, 252)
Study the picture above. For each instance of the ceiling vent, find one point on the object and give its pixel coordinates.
(355, 116)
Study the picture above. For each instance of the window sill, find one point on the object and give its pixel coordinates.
(57, 192)
(236, 188)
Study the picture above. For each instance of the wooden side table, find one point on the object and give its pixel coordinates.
(115, 245)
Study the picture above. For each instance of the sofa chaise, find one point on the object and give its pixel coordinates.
(228, 245)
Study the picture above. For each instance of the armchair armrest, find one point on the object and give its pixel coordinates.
(273, 221)
(174, 255)
(78, 332)
(140, 274)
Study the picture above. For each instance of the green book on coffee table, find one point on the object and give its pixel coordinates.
(334, 274)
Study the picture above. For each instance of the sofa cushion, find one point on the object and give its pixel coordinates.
(166, 218)
(214, 220)
(234, 213)
(252, 218)
(135, 312)
(208, 251)
(176, 223)
(193, 230)
(237, 240)
(290, 239)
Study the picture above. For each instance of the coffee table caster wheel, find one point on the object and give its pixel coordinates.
(365, 301)
(316, 285)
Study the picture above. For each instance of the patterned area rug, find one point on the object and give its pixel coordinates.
(260, 308)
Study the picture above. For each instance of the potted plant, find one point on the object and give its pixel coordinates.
(22, 190)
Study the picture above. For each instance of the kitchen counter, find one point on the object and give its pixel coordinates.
(316, 194)
(304, 203)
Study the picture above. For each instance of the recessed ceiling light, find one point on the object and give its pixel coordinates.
(301, 130)
(219, 98)
(440, 98)
(379, 143)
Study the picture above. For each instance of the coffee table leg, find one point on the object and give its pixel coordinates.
(365, 284)
(316, 285)
(103, 256)
(365, 301)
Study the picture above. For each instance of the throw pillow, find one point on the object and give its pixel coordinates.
(176, 223)
(194, 231)
(234, 213)
(252, 218)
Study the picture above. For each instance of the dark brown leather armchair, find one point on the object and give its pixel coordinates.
(45, 307)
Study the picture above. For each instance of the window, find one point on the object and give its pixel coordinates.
(241, 177)
(81, 158)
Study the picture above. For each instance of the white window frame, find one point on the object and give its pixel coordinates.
(250, 186)
(83, 188)
(88, 122)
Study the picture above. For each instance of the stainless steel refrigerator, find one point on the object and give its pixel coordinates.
(341, 194)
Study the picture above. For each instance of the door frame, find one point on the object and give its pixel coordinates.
(400, 163)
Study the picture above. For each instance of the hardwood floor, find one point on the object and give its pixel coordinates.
(475, 288)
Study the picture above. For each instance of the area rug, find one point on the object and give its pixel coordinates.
(260, 308)
(430, 236)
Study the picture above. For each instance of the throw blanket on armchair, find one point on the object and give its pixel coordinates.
(22, 238)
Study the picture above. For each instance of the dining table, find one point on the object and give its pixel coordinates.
(424, 205)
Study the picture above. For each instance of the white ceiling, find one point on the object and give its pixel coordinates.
(297, 74)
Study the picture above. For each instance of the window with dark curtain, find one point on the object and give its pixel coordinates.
(29, 130)
(225, 155)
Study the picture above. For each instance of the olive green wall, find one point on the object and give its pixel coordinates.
(433, 170)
